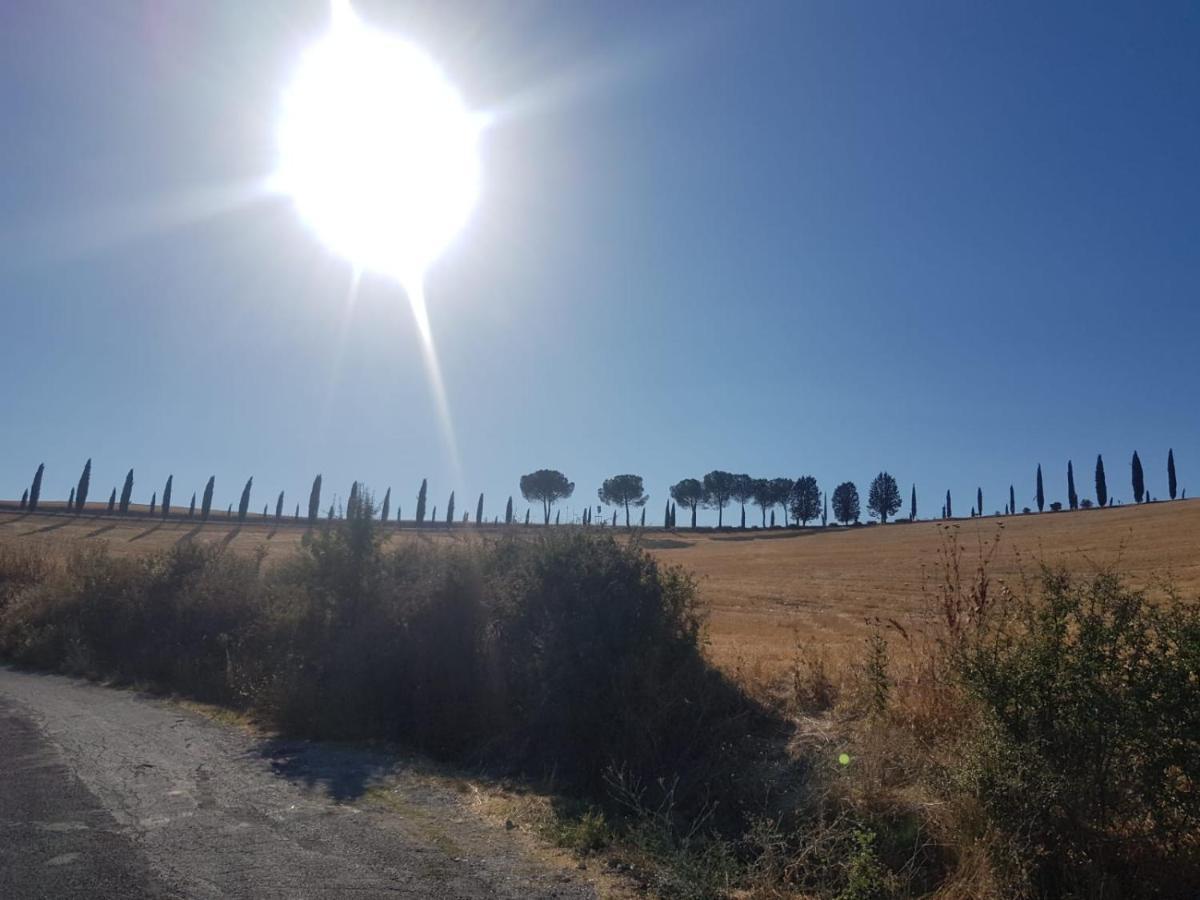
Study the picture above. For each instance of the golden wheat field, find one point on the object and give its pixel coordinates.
(767, 591)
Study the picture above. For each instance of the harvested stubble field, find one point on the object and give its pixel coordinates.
(769, 592)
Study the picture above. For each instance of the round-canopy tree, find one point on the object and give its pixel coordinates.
(718, 489)
(883, 499)
(764, 497)
(623, 490)
(845, 503)
(781, 491)
(689, 492)
(742, 493)
(805, 499)
(547, 486)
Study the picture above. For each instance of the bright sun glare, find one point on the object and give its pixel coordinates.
(377, 149)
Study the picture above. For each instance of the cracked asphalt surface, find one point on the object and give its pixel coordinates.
(107, 793)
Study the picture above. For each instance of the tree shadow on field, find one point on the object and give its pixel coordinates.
(148, 531)
(189, 534)
(101, 530)
(666, 544)
(780, 534)
(230, 535)
(45, 528)
(343, 772)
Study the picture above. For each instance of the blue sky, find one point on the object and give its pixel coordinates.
(950, 240)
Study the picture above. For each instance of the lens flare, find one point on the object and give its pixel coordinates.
(377, 149)
(380, 155)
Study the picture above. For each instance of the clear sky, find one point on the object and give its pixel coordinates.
(947, 239)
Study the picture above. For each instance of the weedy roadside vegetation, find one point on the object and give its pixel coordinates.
(1020, 740)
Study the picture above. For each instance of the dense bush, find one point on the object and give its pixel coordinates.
(1042, 742)
(1088, 754)
(570, 654)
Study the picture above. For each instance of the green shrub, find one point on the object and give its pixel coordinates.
(1088, 749)
(561, 655)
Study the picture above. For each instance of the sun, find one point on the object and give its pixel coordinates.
(377, 149)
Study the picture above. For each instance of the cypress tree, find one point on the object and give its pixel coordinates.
(508, 512)
(979, 500)
(279, 508)
(126, 493)
(1101, 483)
(112, 501)
(329, 515)
(352, 503)
(643, 525)
(399, 510)
(772, 518)
(949, 507)
(614, 518)
(557, 515)
(85, 481)
(1041, 494)
(433, 518)
(1072, 497)
(526, 515)
(421, 502)
(166, 504)
(192, 508)
(297, 516)
(1139, 483)
(387, 506)
(244, 503)
(206, 502)
(266, 508)
(71, 501)
(479, 511)
(153, 498)
(1012, 501)
(229, 511)
(666, 515)
(35, 489)
(912, 505)
(314, 500)
(825, 510)
(450, 510)
(1171, 485)
(25, 498)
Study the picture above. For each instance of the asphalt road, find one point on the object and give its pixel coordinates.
(105, 793)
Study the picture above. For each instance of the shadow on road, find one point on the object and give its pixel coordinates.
(344, 773)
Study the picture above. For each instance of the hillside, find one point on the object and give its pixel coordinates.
(766, 590)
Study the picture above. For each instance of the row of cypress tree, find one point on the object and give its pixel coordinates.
(1103, 497)
(885, 498)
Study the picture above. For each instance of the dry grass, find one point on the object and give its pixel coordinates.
(770, 592)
